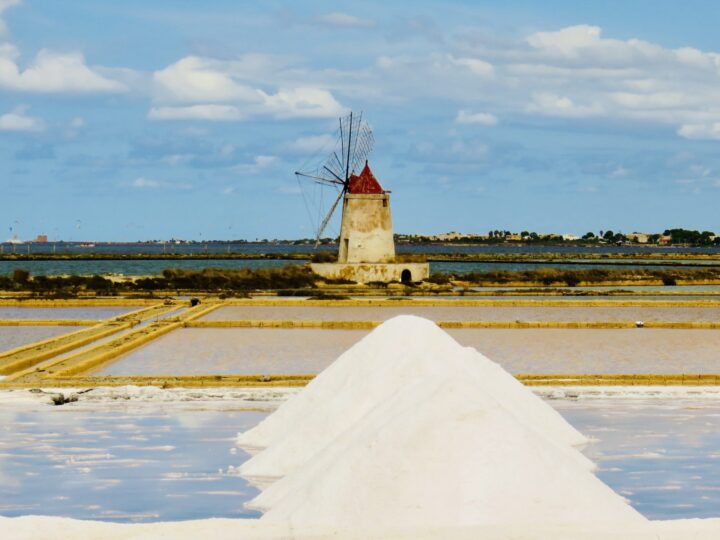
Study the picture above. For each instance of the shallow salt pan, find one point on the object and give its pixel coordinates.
(70, 313)
(216, 351)
(16, 336)
(465, 313)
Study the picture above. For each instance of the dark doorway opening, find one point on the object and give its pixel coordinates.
(406, 276)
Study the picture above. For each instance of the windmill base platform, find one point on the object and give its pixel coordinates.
(368, 272)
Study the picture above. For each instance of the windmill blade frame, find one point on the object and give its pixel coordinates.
(354, 142)
(325, 221)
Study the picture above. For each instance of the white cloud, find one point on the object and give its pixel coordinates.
(223, 113)
(193, 79)
(265, 161)
(4, 5)
(52, 72)
(567, 41)
(17, 120)
(339, 19)
(259, 163)
(147, 183)
(485, 119)
(574, 73)
(553, 105)
(700, 131)
(475, 65)
(303, 103)
(311, 143)
(208, 82)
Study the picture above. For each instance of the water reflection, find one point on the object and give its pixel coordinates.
(117, 466)
(134, 462)
(663, 456)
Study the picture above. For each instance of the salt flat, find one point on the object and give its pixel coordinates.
(199, 351)
(466, 313)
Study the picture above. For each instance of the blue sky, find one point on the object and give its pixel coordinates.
(140, 120)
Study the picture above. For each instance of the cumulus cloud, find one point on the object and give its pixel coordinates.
(475, 65)
(339, 19)
(303, 103)
(575, 73)
(207, 83)
(51, 72)
(485, 119)
(700, 131)
(17, 120)
(567, 41)
(202, 79)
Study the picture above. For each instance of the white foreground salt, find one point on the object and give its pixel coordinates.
(403, 350)
(451, 457)
(439, 457)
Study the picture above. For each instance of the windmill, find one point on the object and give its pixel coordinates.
(353, 143)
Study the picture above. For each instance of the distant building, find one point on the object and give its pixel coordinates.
(570, 237)
(41, 238)
(446, 237)
(640, 238)
(665, 240)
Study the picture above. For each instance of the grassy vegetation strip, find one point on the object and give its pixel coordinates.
(48, 322)
(94, 357)
(640, 379)
(329, 325)
(363, 325)
(19, 359)
(195, 381)
(462, 282)
(168, 381)
(436, 302)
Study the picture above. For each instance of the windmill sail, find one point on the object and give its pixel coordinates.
(353, 144)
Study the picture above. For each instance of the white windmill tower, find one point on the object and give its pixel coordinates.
(367, 248)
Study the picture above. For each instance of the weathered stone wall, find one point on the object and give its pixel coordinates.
(366, 233)
(367, 272)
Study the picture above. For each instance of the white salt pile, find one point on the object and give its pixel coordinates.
(455, 458)
(409, 429)
(403, 350)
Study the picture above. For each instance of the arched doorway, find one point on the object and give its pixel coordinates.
(406, 276)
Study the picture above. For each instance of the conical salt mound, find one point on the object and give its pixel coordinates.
(434, 457)
(401, 351)
(402, 402)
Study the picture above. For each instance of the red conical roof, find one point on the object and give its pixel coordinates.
(365, 182)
